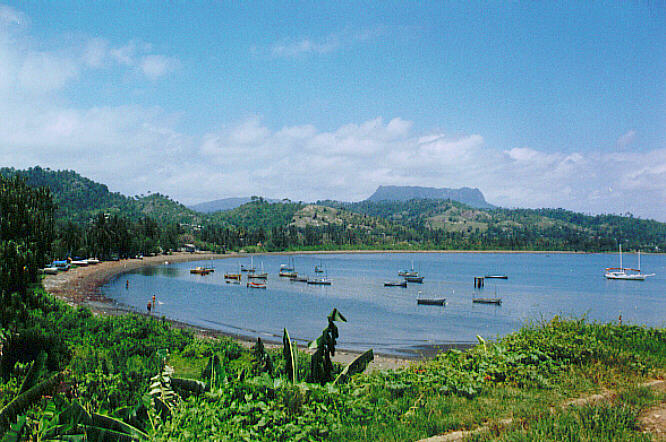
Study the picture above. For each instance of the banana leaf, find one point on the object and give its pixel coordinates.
(15, 431)
(34, 373)
(24, 401)
(358, 365)
(336, 316)
(189, 385)
(290, 357)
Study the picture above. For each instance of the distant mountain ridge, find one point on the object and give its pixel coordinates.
(466, 195)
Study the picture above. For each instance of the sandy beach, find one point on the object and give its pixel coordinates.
(81, 287)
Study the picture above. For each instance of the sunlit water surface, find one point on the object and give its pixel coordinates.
(388, 319)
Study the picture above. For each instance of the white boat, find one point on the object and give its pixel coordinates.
(319, 281)
(627, 273)
(50, 270)
(288, 270)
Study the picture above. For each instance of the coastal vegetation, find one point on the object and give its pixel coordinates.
(89, 220)
(67, 374)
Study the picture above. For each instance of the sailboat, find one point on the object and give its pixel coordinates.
(621, 272)
(261, 275)
(250, 269)
(410, 273)
(288, 270)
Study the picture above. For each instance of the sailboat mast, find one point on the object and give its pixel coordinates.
(621, 257)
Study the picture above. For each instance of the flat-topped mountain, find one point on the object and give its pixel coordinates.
(466, 195)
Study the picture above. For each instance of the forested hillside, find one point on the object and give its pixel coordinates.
(78, 198)
(145, 224)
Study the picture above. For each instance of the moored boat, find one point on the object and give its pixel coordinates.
(417, 279)
(625, 273)
(497, 301)
(402, 283)
(319, 281)
(431, 301)
(496, 277)
(298, 279)
(201, 270)
(256, 285)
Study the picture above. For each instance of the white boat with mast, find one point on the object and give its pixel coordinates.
(250, 269)
(260, 275)
(288, 270)
(406, 272)
(627, 273)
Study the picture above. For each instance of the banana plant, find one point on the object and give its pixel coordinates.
(23, 401)
(358, 365)
(321, 365)
(290, 356)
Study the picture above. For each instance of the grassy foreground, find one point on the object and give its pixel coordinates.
(67, 374)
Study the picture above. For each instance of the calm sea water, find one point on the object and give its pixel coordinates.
(388, 319)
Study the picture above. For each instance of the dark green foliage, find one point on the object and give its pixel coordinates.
(262, 361)
(321, 365)
(290, 356)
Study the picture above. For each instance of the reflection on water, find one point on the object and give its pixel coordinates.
(163, 270)
(388, 318)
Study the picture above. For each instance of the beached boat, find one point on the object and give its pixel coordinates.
(92, 261)
(256, 285)
(402, 283)
(319, 281)
(63, 266)
(418, 279)
(626, 273)
(50, 270)
(201, 270)
(497, 301)
(79, 263)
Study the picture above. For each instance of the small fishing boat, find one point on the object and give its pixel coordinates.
(496, 277)
(235, 276)
(417, 279)
(63, 266)
(319, 281)
(261, 275)
(250, 268)
(319, 268)
(410, 272)
(298, 279)
(402, 283)
(201, 270)
(256, 285)
(431, 301)
(288, 270)
(232, 281)
(496, 301)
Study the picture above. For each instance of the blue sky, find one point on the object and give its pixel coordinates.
(538, 104)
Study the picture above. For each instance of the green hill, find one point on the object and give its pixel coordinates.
(78, 198)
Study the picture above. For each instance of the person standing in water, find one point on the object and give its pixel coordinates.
(127, 284)
(148, 307)
(154, 304)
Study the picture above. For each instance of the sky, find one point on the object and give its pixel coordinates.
(537, 104)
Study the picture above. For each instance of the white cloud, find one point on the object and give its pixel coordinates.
(626, 139)
(11, 16)
(291, 48)
(134, 149)
(155, 66)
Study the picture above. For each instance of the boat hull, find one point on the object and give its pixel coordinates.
(429, 301)
(496, 301)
